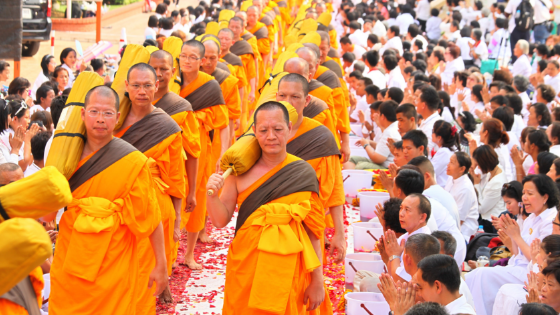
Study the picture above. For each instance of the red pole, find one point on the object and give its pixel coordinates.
(98, 23)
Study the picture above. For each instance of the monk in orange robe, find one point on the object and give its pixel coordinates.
(273, 261)
(182, 113)
(312, 142)
(154, 133)
(327, 60)
(260, 31)
(340, 108)
(96, 266)
(205, 95)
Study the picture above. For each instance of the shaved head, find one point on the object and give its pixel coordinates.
(307, 54)
(226, 30)
(162, 54)
(103, 91)
(196, 44)
(297, 65)
(252, 8)
(313, 48)
(9, 173)
(211, 43)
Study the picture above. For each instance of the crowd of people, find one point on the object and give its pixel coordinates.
(459, 101)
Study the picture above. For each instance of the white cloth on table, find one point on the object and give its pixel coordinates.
(439, 162)
(445, 198)
(462, 190)
(509, 299)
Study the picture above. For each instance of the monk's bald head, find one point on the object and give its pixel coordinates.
(307, 54)
(210, 45)
(314, 48)
(273, 106)
(297, 65)
(9, 173)
(103, 92)
(162, 55)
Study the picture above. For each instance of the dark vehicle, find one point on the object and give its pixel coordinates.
(37, 24)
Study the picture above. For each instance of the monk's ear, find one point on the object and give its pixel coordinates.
(118, 115)
(157, 85)
(290, 126)
(83, 113)
(307, 100)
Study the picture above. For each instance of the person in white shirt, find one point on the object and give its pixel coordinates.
(521, 85)
(552, 75)
(438, 280)
(357, 36)
(394, 77)
(152, 29)
(542, 15)
(380, 155)
(474, 103)
(48, 64)
(460, 186)
(478, 50)
(453, 62)
(553, 133)
(68, 58)
(393, 41)
(414, 34)
(405, 18)
(516, 33)
(38, 143)
(432, 25)
(427, 106)
(423, 13)
(362, 104)
(45, 95)
(522, 66)
(376, 76)
(464, 43)
(347, 46)
(10, 148)
(445, 136)
(540, 198)
(378, 28)
(499, 46)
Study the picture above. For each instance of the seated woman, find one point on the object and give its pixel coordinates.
(539, 116)
(475, 104)
(488, 186)
(535, 143)
(445, 136)
(553, 174)
(461, 187)
(493, 134)
(468, 125)
(553, 133)
(544, 162)
(540, 197)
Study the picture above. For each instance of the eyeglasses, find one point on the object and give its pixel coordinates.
(146, 87)
(190, 58)
(23, 106)
(95, 113)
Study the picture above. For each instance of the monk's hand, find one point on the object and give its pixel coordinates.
(251, 97)
(314, 294)
(159, 276)
(191, 202)
(338, 243)
(53, 235)
(215, 182)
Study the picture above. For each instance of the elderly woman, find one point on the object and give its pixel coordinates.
(453, 63)
(522, 66)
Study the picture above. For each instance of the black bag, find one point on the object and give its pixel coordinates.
(524, 16)
(481, 240)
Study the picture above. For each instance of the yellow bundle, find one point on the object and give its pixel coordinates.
(245, 5)
(226, 15)
(311, 37)
(25, 246)
(212, 28)
(133, 54)
(69, 136)
(279, 66)
(37, 195)
(173, 46)
(325, 18)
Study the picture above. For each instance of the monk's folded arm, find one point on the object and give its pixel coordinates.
(191, 165)
(221, 208)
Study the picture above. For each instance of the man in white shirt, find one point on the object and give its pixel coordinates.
(347, 46)
(380, 155)
(478, 50)
(393, 41)
(438, 280)
(522, 66)
(378, 29)
(405, 19)
(377, 77)
(552, 77)
(356, 36)
(394, 77)
(427, 106)
(413, 34)
(362, 104)
(38, 143)
(465, 43)
(432, 26)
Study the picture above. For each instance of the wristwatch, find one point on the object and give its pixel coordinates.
(394, 257)
(366, 145)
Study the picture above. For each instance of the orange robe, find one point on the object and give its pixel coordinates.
(252, 40)
(250, 72)
(340, 103)
(258, 260)
(95, 269)
(11, 308)
(209, 118)
(326, 119)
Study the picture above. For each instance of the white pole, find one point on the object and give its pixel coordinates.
(69, 9)
(52, 43)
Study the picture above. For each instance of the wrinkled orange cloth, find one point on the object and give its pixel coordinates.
(262, 276)
(210, 118)
(325, 118)
(340, 104)
(263, 43)
(95, 269)
(11, 308)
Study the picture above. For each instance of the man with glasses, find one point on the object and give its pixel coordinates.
(205, 95)
(114, 208)
(151, 131)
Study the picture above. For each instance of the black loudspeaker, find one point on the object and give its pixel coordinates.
(12, 27)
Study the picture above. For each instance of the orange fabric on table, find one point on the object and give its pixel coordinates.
(210, 118)
(11, 308)
(244, 257)
(125, 187)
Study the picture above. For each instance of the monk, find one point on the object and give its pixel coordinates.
(182, 113)
(154, 133)
(205, 95)
(273, 261)
(340, 109)
(311, 141)
(95, 269)
(329, 63)
(261, 32)
(317, 109)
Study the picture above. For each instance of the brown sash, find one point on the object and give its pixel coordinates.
(247, 36)
(241, 47)
(220, 75)
(207, 95)
(266, 20)
(333, 54)
(295, 177)
(233, 59)
(314, 84)
(329, 79)
(223, 66)
(334, 67)
(261, 33)
(276, 10)
(316, 143)
(113, 151)
(315, 107)
(23, 295)
(151, 130)
(282, 4)
(172, 104)
(330, 28)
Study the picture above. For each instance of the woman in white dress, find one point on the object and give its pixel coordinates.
(20, 121)
(68, 60)
(475, 103)
(453, 63)
(48, 63)
(492, 133)
(540, 197)
(461, 187)
(447, 113)
(446, 137)
(9, 148)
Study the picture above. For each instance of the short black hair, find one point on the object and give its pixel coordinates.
(391, 209)
(427, 308)
(372, 57)
(57, 105)
(391, 62)
(196, 44)
(430, 96)
(396, 94)
(395, 29)
(542, 110)
(545, 186)
(105, 92)
(410, 181)
(388, 109)
(418, 138)
(420, 246)
(413, 30)
(449, 242)
(536, 309)
(408, 111)
(272, 105)
(505, 115)
(486, 158)
(515, 102)
(500, 100)
(441, 268)
(540, 139)
(434, 12)
(142, 66)
(349, 57)
(38, 143)
(374, 89)
(296, 78)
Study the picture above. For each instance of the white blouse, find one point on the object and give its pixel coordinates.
(462, 190)
(490, 195)
(440, 161)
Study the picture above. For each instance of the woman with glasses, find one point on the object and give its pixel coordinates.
(540, 198)
(20, 121)
(9, 149)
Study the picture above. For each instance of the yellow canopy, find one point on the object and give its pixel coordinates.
(173, 46)
(69, 136)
